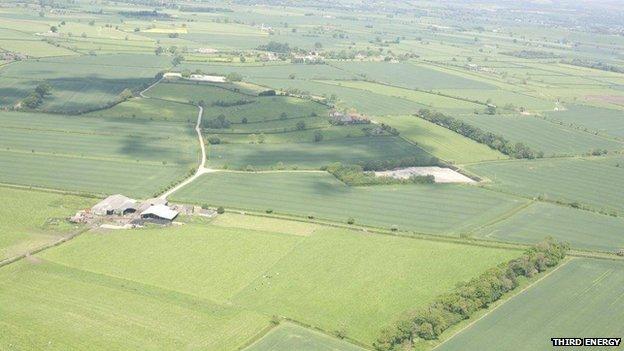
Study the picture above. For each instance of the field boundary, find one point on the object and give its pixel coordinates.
(509, 298)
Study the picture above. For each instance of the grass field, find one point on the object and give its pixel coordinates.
(95, 155)
(81, 309)
(289, 336)
(593, 182)
(35, 218)
(432, 101)
(606, 121)
(580, 299)
(439, 209)
(409, 75)
(300, 277)
(79, 83)
(313, 155)
(441, 142)
(582, 229)
(551, 138)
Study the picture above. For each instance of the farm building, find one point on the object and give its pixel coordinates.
(343, 118)
(159, 211)
(115, 205)
(151, 202)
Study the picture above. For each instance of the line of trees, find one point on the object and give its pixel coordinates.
(470, 297)
(497, 142)
(223, 103)
(414, 161)
(355, 175)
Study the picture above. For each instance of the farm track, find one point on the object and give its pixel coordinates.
(201, 169)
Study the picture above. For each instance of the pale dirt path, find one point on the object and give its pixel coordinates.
(201, 169)
(202, 164)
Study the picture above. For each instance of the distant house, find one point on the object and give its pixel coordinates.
(115, 205)
(159, 211)
(344, 118)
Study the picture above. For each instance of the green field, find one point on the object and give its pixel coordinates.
(579, 299)
(299, 277)
(441, 142)
(78, 84)
(35, 218)
(438, 209)
(582, 229)
(82, 309)
(289, 336)
(604, 120)
(541, 135)
(313, 155)
(95, 155)
(593, 182)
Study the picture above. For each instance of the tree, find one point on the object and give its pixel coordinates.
(234, 77)
(318, 136)
(301, 125)
(242, 59)
(220, 210)
(43, 89)
(318, 45)
(53, 29)
(159, 50)
(177, 59)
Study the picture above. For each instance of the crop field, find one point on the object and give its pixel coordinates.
(604, 120)
(582, 229)
(94, 82)
(441, 142)
(554, 306)
(412, 76)
(35, 219)
(289, 336)
(363, 100)
(284, 238)
(313, 155)
(94, 155)
(274, 274)
(432, 101)
(438, 209)
(592, 182)
(551, 138)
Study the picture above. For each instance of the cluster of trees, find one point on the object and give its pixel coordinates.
(35, 99)
(355, 175)
(594, 64)
(273, 46)
(218, 123)
(532, 54)
(497, 142)
(270, 92)
(382, 165)
(389, 129)
(144, 14)
(203, 9)
(223, 103)
(470, 297)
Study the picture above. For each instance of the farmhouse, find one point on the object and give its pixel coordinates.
(343, 118)
(115, 205)
(160, 211)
